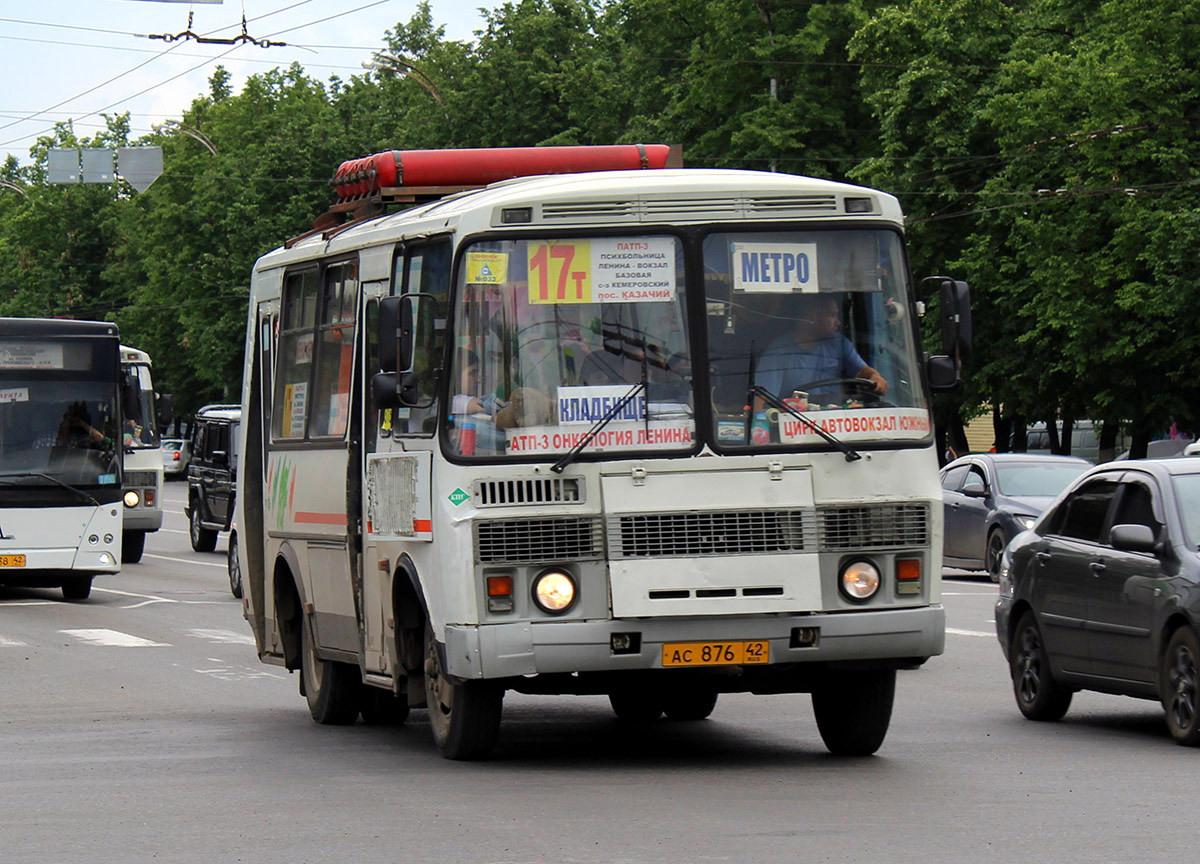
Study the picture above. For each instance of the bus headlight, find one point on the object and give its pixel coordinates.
(131, 498)
(554, 592)
(859, 580)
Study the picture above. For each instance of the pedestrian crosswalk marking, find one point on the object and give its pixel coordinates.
(114, 639)
(228, 637)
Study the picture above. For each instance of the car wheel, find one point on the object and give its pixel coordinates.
(133, 543)
(1178, 687)
(464, 717)
(854, 711)
(233, 565)
(331, 688)
(995, 551)
(1038, 695)
(203, 539)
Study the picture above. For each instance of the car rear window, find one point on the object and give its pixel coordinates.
(1035, 480)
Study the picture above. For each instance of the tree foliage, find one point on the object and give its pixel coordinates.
(1043, 149)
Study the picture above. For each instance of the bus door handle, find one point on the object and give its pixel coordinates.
(1097, 567)
(1042, 557)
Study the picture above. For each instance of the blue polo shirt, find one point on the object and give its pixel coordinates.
(785, 366)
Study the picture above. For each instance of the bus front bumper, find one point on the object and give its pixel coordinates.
(897, 637)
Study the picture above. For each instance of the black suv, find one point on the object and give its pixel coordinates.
(211, 474)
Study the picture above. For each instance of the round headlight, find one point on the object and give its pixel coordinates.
(131, 499)
(554, 592)
(860, 580)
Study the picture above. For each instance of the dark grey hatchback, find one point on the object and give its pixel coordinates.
(1103, 593)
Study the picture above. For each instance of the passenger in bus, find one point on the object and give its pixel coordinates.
(815, 350)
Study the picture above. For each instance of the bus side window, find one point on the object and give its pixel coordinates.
(294, 364)
(425, 270)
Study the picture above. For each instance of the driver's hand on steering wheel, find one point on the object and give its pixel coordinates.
(881, 384)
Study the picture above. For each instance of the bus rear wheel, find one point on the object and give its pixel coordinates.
(464, 717)
(77, 588)
(854, 710)
(331, 688)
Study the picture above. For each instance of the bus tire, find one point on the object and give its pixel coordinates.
(636, 704)
(687, 705)
(234, 566)
(133, 543)
(464, 717)
(853, 710)
(203, 539)
(77, 588)
(331, 688)
(381, 708)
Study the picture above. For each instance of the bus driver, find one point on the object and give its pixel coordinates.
(815, 350)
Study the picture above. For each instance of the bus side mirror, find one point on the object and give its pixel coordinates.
(954, 311)
(943, 373)
(389, 334)
(166, 410)
(385, 390)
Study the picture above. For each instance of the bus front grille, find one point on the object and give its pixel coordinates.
(734, 532)
(874, 526)
(515, 541)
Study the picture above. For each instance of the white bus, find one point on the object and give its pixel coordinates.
(545, 436)
(144, 412)
(60, 453)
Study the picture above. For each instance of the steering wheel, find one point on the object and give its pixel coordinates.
(863, 387)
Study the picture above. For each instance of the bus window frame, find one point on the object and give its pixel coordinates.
(316, 328)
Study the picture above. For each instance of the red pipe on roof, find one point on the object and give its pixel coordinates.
(481, 166)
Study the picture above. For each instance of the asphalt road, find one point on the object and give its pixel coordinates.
(139, 726)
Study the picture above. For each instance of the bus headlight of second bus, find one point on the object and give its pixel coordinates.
(554, 591)
(859, 580)
(131, 498)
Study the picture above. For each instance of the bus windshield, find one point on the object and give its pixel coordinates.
(58, 413)
(819, 320)
(550, 335)
(141, 430)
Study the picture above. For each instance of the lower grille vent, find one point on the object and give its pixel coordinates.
(515, 541)
(738, 532)
(874, 526)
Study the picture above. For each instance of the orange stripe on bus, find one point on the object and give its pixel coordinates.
(321, 518)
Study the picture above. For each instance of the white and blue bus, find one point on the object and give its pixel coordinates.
(61, 453)
(144, 412)
(547, 435)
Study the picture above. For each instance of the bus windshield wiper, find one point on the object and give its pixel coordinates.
(774, 401)
(85, 496)
(569, 457)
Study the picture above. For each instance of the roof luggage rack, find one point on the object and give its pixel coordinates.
(366, 186)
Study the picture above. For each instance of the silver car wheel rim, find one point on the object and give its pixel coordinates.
(1029, 663)
(1183, 688)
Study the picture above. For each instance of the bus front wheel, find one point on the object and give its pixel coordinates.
(853, 710)
(464, 717)
(133, 543)
(77, 588)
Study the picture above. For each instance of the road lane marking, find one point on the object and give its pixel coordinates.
(114, 639)
(30, 603)
(187, 561)
(227, 637)
(954, 631)
(11, 643)
(147, 599)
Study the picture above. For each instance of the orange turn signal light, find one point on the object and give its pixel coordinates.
(499, 586)
(908, 569)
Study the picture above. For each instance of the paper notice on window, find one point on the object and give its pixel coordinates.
(295, 399)
(487, 268)
(602, 270)
(14, 394)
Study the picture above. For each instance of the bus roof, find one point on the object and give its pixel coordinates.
(56, 327)
(133, 355)
(609, 198)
